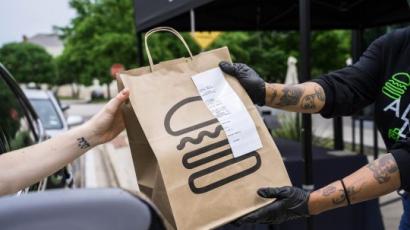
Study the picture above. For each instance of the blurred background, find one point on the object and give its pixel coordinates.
(64, 55)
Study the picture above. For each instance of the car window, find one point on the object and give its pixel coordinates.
(13, 121)
(47, 113)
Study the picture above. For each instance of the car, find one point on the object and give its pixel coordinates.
(20, 125)
(51, 111)
(55, 121)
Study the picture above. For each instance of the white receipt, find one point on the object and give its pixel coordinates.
(228, 108)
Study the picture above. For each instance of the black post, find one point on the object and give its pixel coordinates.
(357, 48)
(375, 137)
(353, 134)
(140, 50)
(361, 144)
(306, 132)
(338, 133)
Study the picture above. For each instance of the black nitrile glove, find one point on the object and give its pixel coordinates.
(249, 79)
(291, 203)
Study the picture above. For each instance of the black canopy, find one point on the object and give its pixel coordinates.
(211, 15)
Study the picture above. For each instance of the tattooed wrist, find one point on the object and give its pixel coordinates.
(83, 143)
(336, 194)
(271, 94)
(350, 191)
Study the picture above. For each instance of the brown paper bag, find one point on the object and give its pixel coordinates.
(198, 184)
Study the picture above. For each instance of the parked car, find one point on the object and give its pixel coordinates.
(51, 111)
(55, 121)
(19, 124)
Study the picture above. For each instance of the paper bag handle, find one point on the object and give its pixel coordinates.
(166, 29)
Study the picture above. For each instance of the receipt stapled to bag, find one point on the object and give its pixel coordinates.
(228, 108)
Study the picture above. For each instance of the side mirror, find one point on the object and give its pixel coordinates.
(74, 120)
(64, 107)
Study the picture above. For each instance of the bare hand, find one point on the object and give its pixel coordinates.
(108, 123)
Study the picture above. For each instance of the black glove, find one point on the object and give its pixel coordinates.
(249, 79)
(291, 203)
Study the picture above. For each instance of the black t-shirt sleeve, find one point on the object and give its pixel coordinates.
(352, 88)
(401, 153)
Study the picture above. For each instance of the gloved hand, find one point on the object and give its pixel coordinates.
(291, 203)
(249, 79)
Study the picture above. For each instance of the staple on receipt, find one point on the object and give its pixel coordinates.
(228, 108)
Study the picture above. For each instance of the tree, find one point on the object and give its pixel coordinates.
(69, 70)
(28, 63)
(330, 49)
(268, 51)
(102, 34)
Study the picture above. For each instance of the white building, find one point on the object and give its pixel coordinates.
(50, 42)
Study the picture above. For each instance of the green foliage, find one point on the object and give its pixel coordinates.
(28, 63)
(330, 49)
(102, 34)
(267, 52)
(289, 129)
(259, 50)
(165, 46)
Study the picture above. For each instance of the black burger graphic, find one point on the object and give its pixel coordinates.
(192, 159)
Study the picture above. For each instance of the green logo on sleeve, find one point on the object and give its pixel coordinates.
(397, 85)
(394, 134)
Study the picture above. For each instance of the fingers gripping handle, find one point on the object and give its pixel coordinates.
(165, 29)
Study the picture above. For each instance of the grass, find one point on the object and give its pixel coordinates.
(99, 100)
(291, 130)
(67, 98)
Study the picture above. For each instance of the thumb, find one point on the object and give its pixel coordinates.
(228, 68)
(115, 102)
(279, 193)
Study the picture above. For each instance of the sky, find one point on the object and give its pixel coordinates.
(29, 17)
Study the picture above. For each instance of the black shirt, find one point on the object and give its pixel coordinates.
(381, 75)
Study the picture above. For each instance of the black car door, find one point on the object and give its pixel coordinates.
(19, 125)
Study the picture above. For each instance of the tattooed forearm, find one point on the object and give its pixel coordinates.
(329, 190)
(320, 94)
(291, 95)
(274, 94)
(350, 190)
(307, 97)
(83, 143)
(383, 168)
(308, 101)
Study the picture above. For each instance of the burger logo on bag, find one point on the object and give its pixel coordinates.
(188, 158)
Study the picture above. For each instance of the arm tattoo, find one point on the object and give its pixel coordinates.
(83, 143)
(291, 95)
(329, 190)
(274, 93)
(351, 190)
(383, 168)
(308, 101)
(320, 94)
